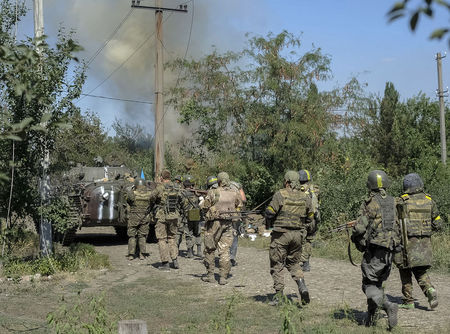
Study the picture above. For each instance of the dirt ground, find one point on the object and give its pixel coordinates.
(330, 282)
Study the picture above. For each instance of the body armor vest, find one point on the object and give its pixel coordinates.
(226, 203)
(293, 213)
(382, 228)
(417, 208)
(193, 210)
(141, 201)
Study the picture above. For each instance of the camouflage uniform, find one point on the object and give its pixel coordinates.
(219, 229)
(314, 192)
(377, 234)
(237, 225)
(168, 202)
(181, 224)
(192, 218)
(138, 220)
(290, 211)
(421, 218)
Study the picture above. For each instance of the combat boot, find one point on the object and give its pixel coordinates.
(190, 253)
(432, 298)
(391, 311)
(303, 291)
(222, 280)
(209, 277)
(276, 298)
(306, 267)
(199, 251)
(175, 264)
(164, 266)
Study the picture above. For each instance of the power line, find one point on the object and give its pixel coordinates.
(117, 99)
(122, 64)
(111, 36)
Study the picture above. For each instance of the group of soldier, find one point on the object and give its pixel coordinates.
(387, 230)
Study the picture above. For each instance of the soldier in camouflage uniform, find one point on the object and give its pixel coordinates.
(168, 202)
(311, 190)
(377, 234)
(237, 225)
(192, 218)
(289, 213)
(219, 229)
(420, 217)
(181, 225)
(138, 219)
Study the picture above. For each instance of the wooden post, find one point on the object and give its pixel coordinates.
(132, 327)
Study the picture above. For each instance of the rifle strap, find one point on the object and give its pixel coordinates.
(349, 249)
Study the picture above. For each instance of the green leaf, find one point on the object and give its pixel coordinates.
(46, 117)
(413, 21)
(398, 6)
(438, 33)
(395, 17)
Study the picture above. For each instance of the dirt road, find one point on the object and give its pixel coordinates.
(331, 283)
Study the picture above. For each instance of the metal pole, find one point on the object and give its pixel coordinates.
(45, 233)
(442, 109)
(159, 110)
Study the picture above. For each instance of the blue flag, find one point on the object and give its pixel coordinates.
(142, 174)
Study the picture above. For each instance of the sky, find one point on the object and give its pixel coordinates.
(354, 33)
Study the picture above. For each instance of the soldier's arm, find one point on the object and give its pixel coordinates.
(436, 221)
(359, 230)
(309, 213)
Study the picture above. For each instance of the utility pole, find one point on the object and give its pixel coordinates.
(45, 227)
(159, 80)
(441, 93)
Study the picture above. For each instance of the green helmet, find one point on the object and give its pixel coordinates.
(187, 181)
(291, 176)
(211, 181)
(223, 178)
(178, 178)
(412, 183)
(304, 175)
(377, 179)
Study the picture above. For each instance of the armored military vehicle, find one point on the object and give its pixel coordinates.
(97, 196)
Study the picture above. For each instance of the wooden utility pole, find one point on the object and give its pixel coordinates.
(159, 80)
(441, 95)
(45, 227)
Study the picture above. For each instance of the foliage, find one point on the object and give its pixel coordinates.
(58, 212)
(224, 320)
(77, 257)
(87, 315)
(426, 8)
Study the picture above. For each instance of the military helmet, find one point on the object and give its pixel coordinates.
(139, 183)
(223, 178)
(211, 181)
(304, 175)
(187, 180)
(165, 174)
(291, 176)
(412, 183)
(178, 178)
(377, 179)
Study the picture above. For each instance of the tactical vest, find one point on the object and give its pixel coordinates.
(381, 231)
(169, 201)
(226, 203)
(193, 210)
(417, 208)
(313, 192)
(293, 212)
(141, 201)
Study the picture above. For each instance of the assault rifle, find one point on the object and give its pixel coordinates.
(404, 234)
(197, 191)
(343, 227)
(241, 214)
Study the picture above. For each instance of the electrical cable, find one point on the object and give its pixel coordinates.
(117, 99)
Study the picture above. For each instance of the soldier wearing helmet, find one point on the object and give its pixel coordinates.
(419, 218)
(313, 191)
(191, 218)
(167, 201)
(138, 219)
(289, 213)
(219, 229)
(237, 224)
(181, 225)
(377, 234)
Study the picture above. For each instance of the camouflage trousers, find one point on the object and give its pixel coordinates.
(285, 251)
(218, 236)
(192, 234)
(137, 234)
(376, 268)
(307, 248)
(165, 233)
(421, 275)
